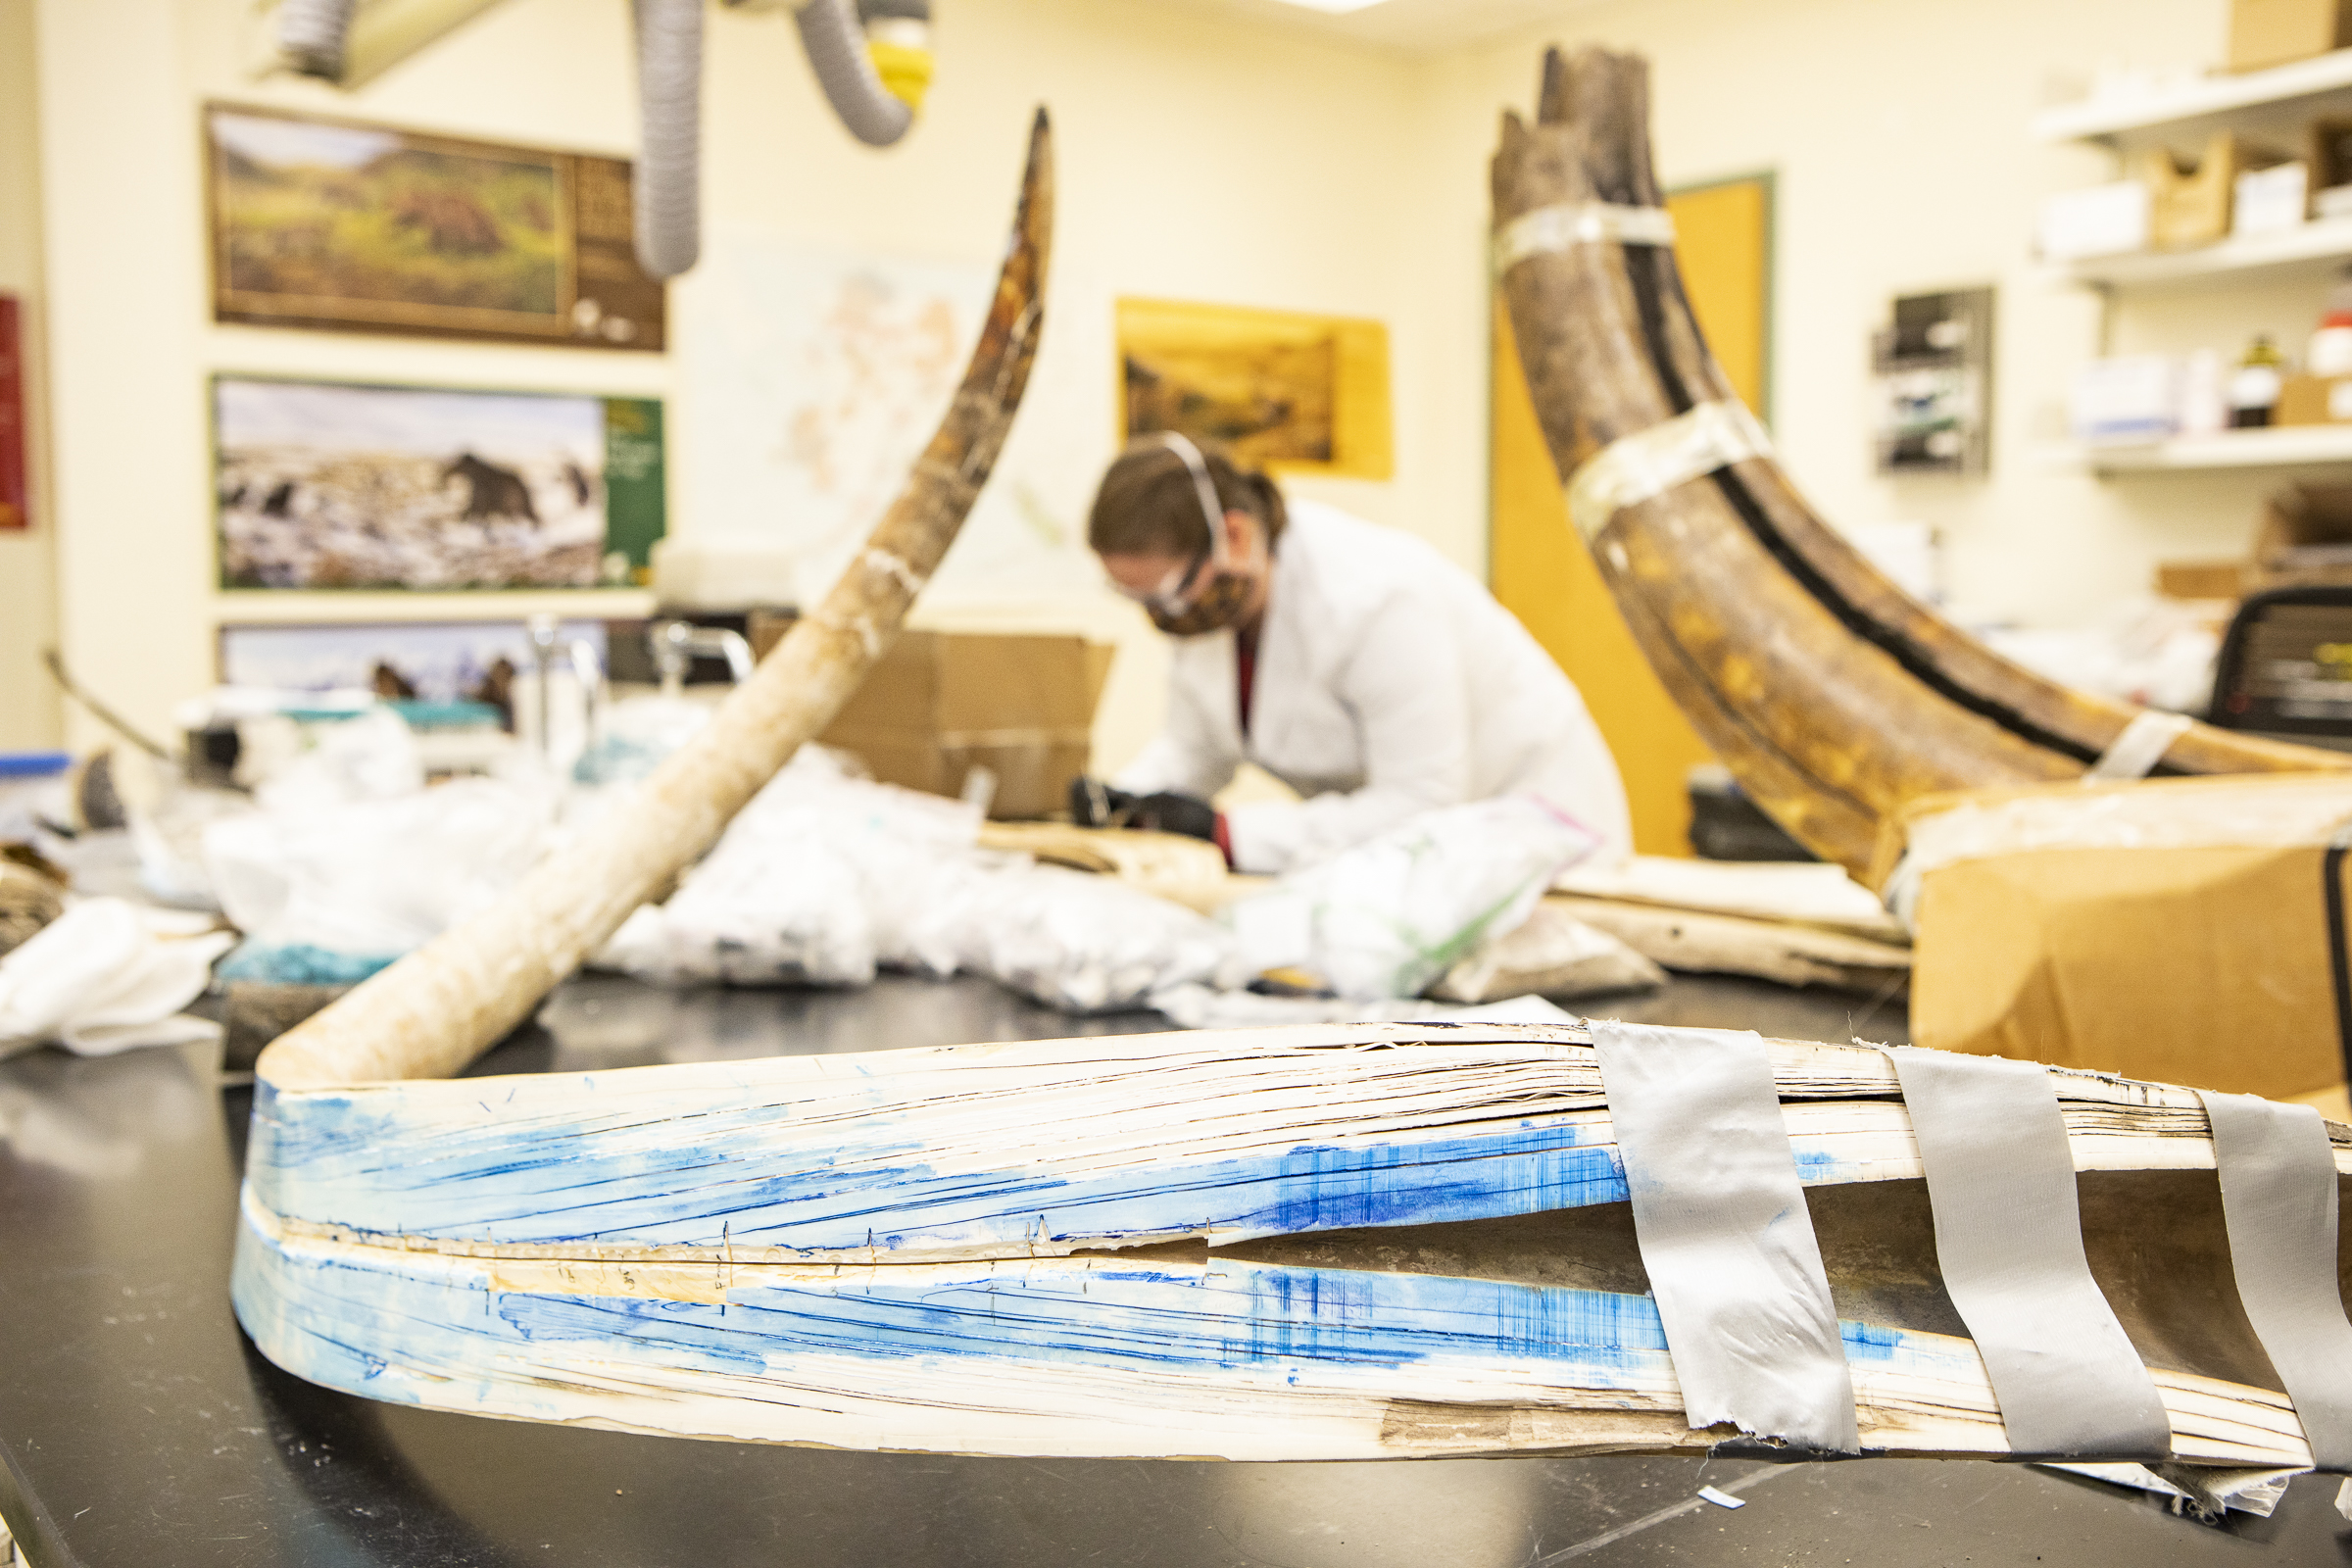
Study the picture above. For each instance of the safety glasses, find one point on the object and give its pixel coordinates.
(1173, 597)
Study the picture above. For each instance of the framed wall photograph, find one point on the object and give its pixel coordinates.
(16, 507)
(320, 223)
(326, 484)
(422, 661)
(1293, 392)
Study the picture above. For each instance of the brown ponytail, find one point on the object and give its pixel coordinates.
(1147, 505)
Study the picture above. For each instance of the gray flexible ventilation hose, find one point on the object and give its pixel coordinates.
(836, 45)
(311, 34)
(669, 97)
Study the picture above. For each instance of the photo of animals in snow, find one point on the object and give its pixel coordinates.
(433, 661)
(324, 485)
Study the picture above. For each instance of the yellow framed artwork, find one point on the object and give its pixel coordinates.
(1540, 569)
(1281, 389)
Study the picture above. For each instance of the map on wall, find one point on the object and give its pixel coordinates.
(815, 377)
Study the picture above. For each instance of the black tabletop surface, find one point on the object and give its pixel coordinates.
(137, 1427)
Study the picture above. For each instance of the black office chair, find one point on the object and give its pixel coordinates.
(2285, 666)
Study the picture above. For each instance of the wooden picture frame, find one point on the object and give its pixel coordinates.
(338, 224)
(1293, 392)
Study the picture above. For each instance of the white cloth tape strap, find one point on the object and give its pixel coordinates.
(2139, 747)
(2009, 1243)
(2278, 1202)
(1637, 467)
(1564, 225)
(1725, 1234)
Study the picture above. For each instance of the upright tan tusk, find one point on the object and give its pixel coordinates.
(442, 1006)
(1833, 695)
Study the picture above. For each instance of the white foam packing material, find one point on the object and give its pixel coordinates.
(1391, 915)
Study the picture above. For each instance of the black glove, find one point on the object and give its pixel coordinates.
(1171, 813)
(1094, 804)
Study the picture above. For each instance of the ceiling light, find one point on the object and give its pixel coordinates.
(1334, 7)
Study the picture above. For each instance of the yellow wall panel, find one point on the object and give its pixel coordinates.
(1540, 569)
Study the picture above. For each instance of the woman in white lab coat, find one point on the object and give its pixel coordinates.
(1352, 661)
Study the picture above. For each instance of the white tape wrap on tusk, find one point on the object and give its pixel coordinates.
(1637, 467)
(2139, 747)
(1548, 231)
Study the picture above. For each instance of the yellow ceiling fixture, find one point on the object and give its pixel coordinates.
(872, 56)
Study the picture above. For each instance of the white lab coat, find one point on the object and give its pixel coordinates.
(1388, 683)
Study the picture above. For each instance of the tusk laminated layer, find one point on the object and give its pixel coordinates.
(1638, 468)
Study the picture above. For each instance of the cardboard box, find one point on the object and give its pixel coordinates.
(2125, 398)
(2275, 32)
(2271, 201)
(2305, 537)
(2174, 930)
(940, 705)
(2110, 220)
(2193, 204)
(2202, 579)
(2314, 400)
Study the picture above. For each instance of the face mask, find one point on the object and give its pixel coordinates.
(1217, 606)
(1223, 595)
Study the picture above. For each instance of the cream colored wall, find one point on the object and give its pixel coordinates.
(1200, 158)
(29, 709)
(1899, 133)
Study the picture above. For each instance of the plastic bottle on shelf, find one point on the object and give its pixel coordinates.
(2204, 394)
(2332, 345)
(2254, 389)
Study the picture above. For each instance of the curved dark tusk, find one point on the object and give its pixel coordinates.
(312, 35)
(445, 1004)
(669, 96)
(836, 48)
(1831, 694)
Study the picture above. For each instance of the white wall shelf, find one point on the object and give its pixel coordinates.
(2282, 446)
(237, 607)
(2193, 111)
(2309, 247)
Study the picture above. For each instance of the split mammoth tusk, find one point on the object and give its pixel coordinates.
(439, 1008)
(1833, 695)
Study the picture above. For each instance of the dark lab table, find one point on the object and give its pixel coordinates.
(138, 1428)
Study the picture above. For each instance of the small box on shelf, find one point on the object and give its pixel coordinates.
(2202, 580)
(2109, 219)
(2191, 204)
(2271, 201)
(2304, 538)
(2127, 399)
(2314, 400)
(2277, 32)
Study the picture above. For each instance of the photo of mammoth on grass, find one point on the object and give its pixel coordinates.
(332, 224)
